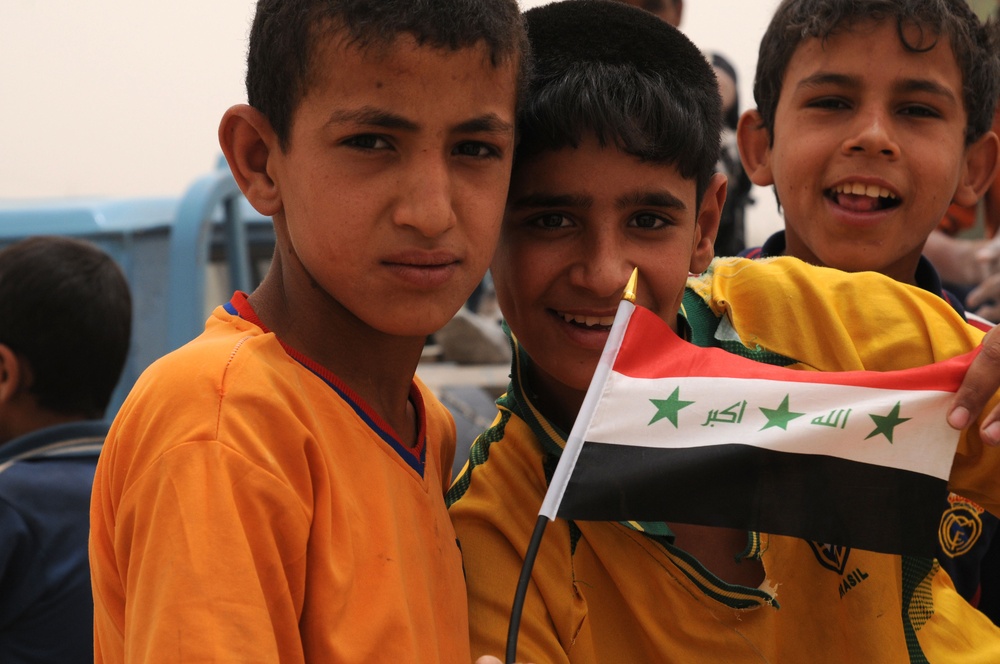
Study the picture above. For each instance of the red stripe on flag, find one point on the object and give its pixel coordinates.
(651, 349)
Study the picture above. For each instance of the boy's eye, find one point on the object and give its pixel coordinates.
(367, 142)
(920, 111)
(829, 103)
(647, 220)
(475, 149)
(553, 220)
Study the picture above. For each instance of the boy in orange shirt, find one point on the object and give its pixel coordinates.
(273, 491)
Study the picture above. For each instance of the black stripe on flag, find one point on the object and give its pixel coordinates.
(813, 497)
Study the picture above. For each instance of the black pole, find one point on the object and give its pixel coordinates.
(522, 587)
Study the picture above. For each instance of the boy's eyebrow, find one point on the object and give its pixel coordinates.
(552, 200)
(489, 123)
(660, 199)
(904, 86)
(377, 117)
(925, 85)
(828, 78)
(370, 115)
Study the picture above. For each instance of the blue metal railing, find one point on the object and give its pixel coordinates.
(165, 247)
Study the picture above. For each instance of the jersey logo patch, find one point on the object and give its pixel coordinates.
(961, 526)
(831, 556)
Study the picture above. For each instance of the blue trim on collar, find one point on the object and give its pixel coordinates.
(405, 453)
(84, 429)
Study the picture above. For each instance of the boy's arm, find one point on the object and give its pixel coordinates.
(201, 559)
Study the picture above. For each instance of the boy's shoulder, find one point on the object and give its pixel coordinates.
(229, 343)
(803, 311)
(791, 281)
(785, 285)
(232, 375)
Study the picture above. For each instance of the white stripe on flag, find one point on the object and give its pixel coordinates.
(902, 429)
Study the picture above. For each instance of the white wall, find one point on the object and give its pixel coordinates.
(115, 97)
(123, 97)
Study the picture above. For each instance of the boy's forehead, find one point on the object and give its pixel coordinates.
(915, 42)
(334, 44)
(589, 172)
(335, 51)
(912, 37)
(405, 87)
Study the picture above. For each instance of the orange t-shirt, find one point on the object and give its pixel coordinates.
(248, 507)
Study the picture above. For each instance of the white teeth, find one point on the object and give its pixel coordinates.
(860, 189)
(589, 321)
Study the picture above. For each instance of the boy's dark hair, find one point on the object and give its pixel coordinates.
(284, 35)
(621, 73)
(65, 309)
(976, 46)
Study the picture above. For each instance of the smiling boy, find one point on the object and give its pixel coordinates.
(273, 491)
(872, 119)
(872, 127)
(555, 217)
(614, 171)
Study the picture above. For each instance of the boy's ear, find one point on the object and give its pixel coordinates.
(982, 161)
(706, 224)
(754, 142)
(10, 374)
(250, 144)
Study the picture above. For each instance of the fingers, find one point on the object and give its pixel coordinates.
(988, 257)
(981, 382)
(987, 290)
(990, 312)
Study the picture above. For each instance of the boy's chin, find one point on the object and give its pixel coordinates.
(572, 381)
(410, 325)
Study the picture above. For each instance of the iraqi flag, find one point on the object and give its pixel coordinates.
(672, 432)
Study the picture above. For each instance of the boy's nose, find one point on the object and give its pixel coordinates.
(602, 268)
(872, 134)
(424, 198)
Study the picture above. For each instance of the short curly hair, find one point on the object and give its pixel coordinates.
(976, 46)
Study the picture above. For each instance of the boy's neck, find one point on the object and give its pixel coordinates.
(558, 402)
(903, 270)
(378, 367)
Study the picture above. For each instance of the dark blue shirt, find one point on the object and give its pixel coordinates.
(46, 606)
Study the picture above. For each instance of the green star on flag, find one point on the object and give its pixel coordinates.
(886, 424)
(668, 408)
(780, 416)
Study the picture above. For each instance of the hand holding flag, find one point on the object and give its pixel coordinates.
(672, 432)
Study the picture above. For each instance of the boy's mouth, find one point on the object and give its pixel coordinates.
(860, 197)
(588, 322)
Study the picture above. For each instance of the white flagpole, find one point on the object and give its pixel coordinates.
(577, 436)
(557, 487)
